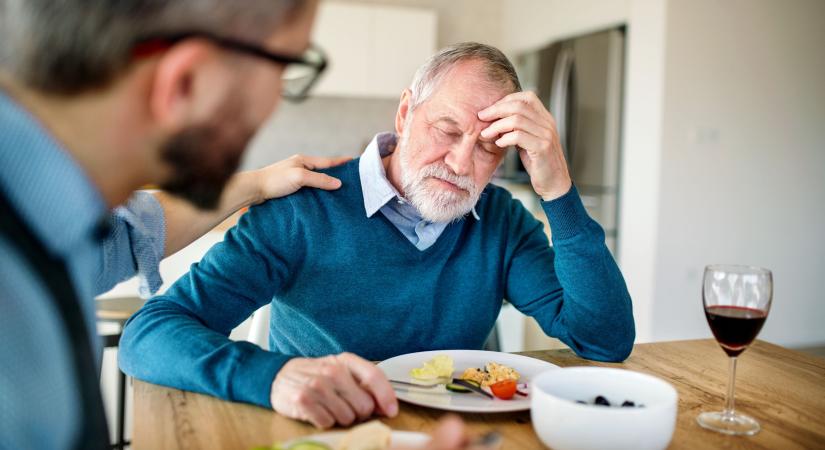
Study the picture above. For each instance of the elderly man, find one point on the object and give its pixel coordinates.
(415, 252)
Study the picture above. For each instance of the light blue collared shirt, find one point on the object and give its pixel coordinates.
(381, 195)
(135, 245)
(66, 212)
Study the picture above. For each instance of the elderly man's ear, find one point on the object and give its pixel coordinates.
(186, 86)
(403, 110)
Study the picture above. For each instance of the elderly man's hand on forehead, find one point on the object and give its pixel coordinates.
(521, 120)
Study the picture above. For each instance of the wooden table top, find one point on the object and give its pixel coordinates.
(783, 389)
(118, 309)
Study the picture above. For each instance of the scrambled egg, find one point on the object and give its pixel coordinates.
(492, 374)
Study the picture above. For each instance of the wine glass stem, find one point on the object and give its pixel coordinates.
(731, 386)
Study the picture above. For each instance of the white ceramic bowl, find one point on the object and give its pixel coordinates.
(563, 424)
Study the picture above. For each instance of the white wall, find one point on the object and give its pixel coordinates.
(743, 160)
(641, 157)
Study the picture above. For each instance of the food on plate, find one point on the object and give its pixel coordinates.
(372, 435)
(440, 366)
(492, 374)
(457, 388)
(499, 379)
(504, 390)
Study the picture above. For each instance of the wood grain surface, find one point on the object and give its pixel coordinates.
(783, 389)
(118, 309)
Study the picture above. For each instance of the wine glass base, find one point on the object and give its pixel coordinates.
(728, 423)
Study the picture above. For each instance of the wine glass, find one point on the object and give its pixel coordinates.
(736, 300)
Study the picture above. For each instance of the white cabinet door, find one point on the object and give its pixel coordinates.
(343, 32)
(403, 39)
(373, 50)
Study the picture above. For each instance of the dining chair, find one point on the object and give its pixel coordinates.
(259, 327)
(259, 331)
(117, 311)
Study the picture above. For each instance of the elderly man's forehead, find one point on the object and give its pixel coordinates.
(460, 100)
(456, 112)
(472, 78)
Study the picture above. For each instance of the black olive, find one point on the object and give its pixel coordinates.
(628, 403)
(601, 401)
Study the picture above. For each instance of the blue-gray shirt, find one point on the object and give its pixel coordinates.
(381, 195)
(54, 196)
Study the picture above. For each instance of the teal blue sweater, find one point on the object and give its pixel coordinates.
(339, 281)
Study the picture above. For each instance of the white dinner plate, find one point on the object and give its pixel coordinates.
(398, 368)
(408, 439)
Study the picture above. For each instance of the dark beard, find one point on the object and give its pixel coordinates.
(203, 158)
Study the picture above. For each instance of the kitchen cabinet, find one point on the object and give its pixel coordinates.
(373, 50)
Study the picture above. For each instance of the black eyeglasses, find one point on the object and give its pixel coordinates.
(300, 73)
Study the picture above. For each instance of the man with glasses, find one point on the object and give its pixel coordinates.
(96, 100)
(188, 207)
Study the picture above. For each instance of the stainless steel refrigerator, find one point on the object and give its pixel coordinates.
(580, 81)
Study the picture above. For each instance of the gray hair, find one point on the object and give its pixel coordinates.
(498, 69)
(70, 46)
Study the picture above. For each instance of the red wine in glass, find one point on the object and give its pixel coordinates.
(735, 327)
(736, 301)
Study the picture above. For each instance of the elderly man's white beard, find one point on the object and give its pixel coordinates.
(435, 204)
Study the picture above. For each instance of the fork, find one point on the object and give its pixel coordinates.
(440, 381)
(437, 382)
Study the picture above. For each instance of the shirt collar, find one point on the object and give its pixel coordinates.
(44, 183)
(376, 187)
(374, 183)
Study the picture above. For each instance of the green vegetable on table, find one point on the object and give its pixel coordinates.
(300, 445)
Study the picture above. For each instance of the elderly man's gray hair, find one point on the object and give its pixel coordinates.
(70, 46)
(498, 69)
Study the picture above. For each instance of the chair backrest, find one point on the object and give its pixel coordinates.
(259, 331)
(259, 328)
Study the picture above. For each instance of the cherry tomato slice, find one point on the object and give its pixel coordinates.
(504, 390)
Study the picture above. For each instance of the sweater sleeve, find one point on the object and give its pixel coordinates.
(574, 289)
(181, 339)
